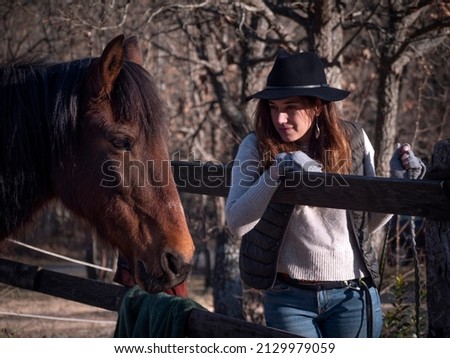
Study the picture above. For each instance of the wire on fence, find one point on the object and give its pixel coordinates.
(79, 262)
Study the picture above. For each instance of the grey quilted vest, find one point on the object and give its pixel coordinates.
(261, 245)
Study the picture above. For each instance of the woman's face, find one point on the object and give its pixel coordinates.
(293, 117)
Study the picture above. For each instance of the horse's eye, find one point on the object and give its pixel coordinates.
(122, 144)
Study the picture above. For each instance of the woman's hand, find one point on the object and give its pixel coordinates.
(404, 164)
(293, 162)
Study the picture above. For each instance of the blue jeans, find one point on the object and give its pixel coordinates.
(331, 313)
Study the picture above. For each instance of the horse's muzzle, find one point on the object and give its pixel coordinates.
(174, 271)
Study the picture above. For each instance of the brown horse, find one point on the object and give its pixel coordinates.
(92, 134)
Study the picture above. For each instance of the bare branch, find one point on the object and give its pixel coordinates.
(258, 6)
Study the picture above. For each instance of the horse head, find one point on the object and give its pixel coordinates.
(118, 174)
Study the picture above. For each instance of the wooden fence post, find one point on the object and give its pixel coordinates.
(437, 245)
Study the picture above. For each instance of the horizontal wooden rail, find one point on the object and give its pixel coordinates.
(79, 289)
(201, 323)
(425, 198)
(205, 324)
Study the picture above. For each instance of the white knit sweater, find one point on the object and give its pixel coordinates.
(317, 244)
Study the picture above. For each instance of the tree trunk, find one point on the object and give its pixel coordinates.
(329, 38)
(386, 124)
(437, 246)
(227, 291)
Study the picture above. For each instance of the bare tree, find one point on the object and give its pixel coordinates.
(207, 56)
(400, 31)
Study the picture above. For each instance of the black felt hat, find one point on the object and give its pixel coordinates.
(300, 74)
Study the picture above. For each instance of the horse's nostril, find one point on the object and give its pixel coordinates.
(172, 264)
(142, 268)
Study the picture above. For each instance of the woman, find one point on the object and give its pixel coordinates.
(316, 264)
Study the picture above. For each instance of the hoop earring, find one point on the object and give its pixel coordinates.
(317, 130)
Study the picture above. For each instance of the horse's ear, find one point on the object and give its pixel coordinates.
(132, 50)
(111, 62)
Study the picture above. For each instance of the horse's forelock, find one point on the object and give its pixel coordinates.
(136, 98)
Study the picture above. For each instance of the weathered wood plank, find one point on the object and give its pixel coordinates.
(202, 177)
(91, 292)
(383, 195)
(426, 198)
(437, 249)
(87, 291)
(203, 324)
(18, 275)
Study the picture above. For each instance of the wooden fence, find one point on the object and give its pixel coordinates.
(429, 198)
(200, 323)
(425, 198)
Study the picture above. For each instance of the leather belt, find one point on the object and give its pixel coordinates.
(322, 285)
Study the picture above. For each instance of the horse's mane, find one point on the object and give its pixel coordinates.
(46, 99)
(38, 111)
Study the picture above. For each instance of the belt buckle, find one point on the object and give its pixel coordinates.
(354, 284)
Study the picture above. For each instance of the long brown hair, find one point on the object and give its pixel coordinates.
(331, 148)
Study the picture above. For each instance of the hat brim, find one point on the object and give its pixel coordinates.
(329, 94)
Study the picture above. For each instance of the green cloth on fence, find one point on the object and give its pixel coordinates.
(157, 315)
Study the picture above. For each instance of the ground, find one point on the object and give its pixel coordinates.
(46, 316)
